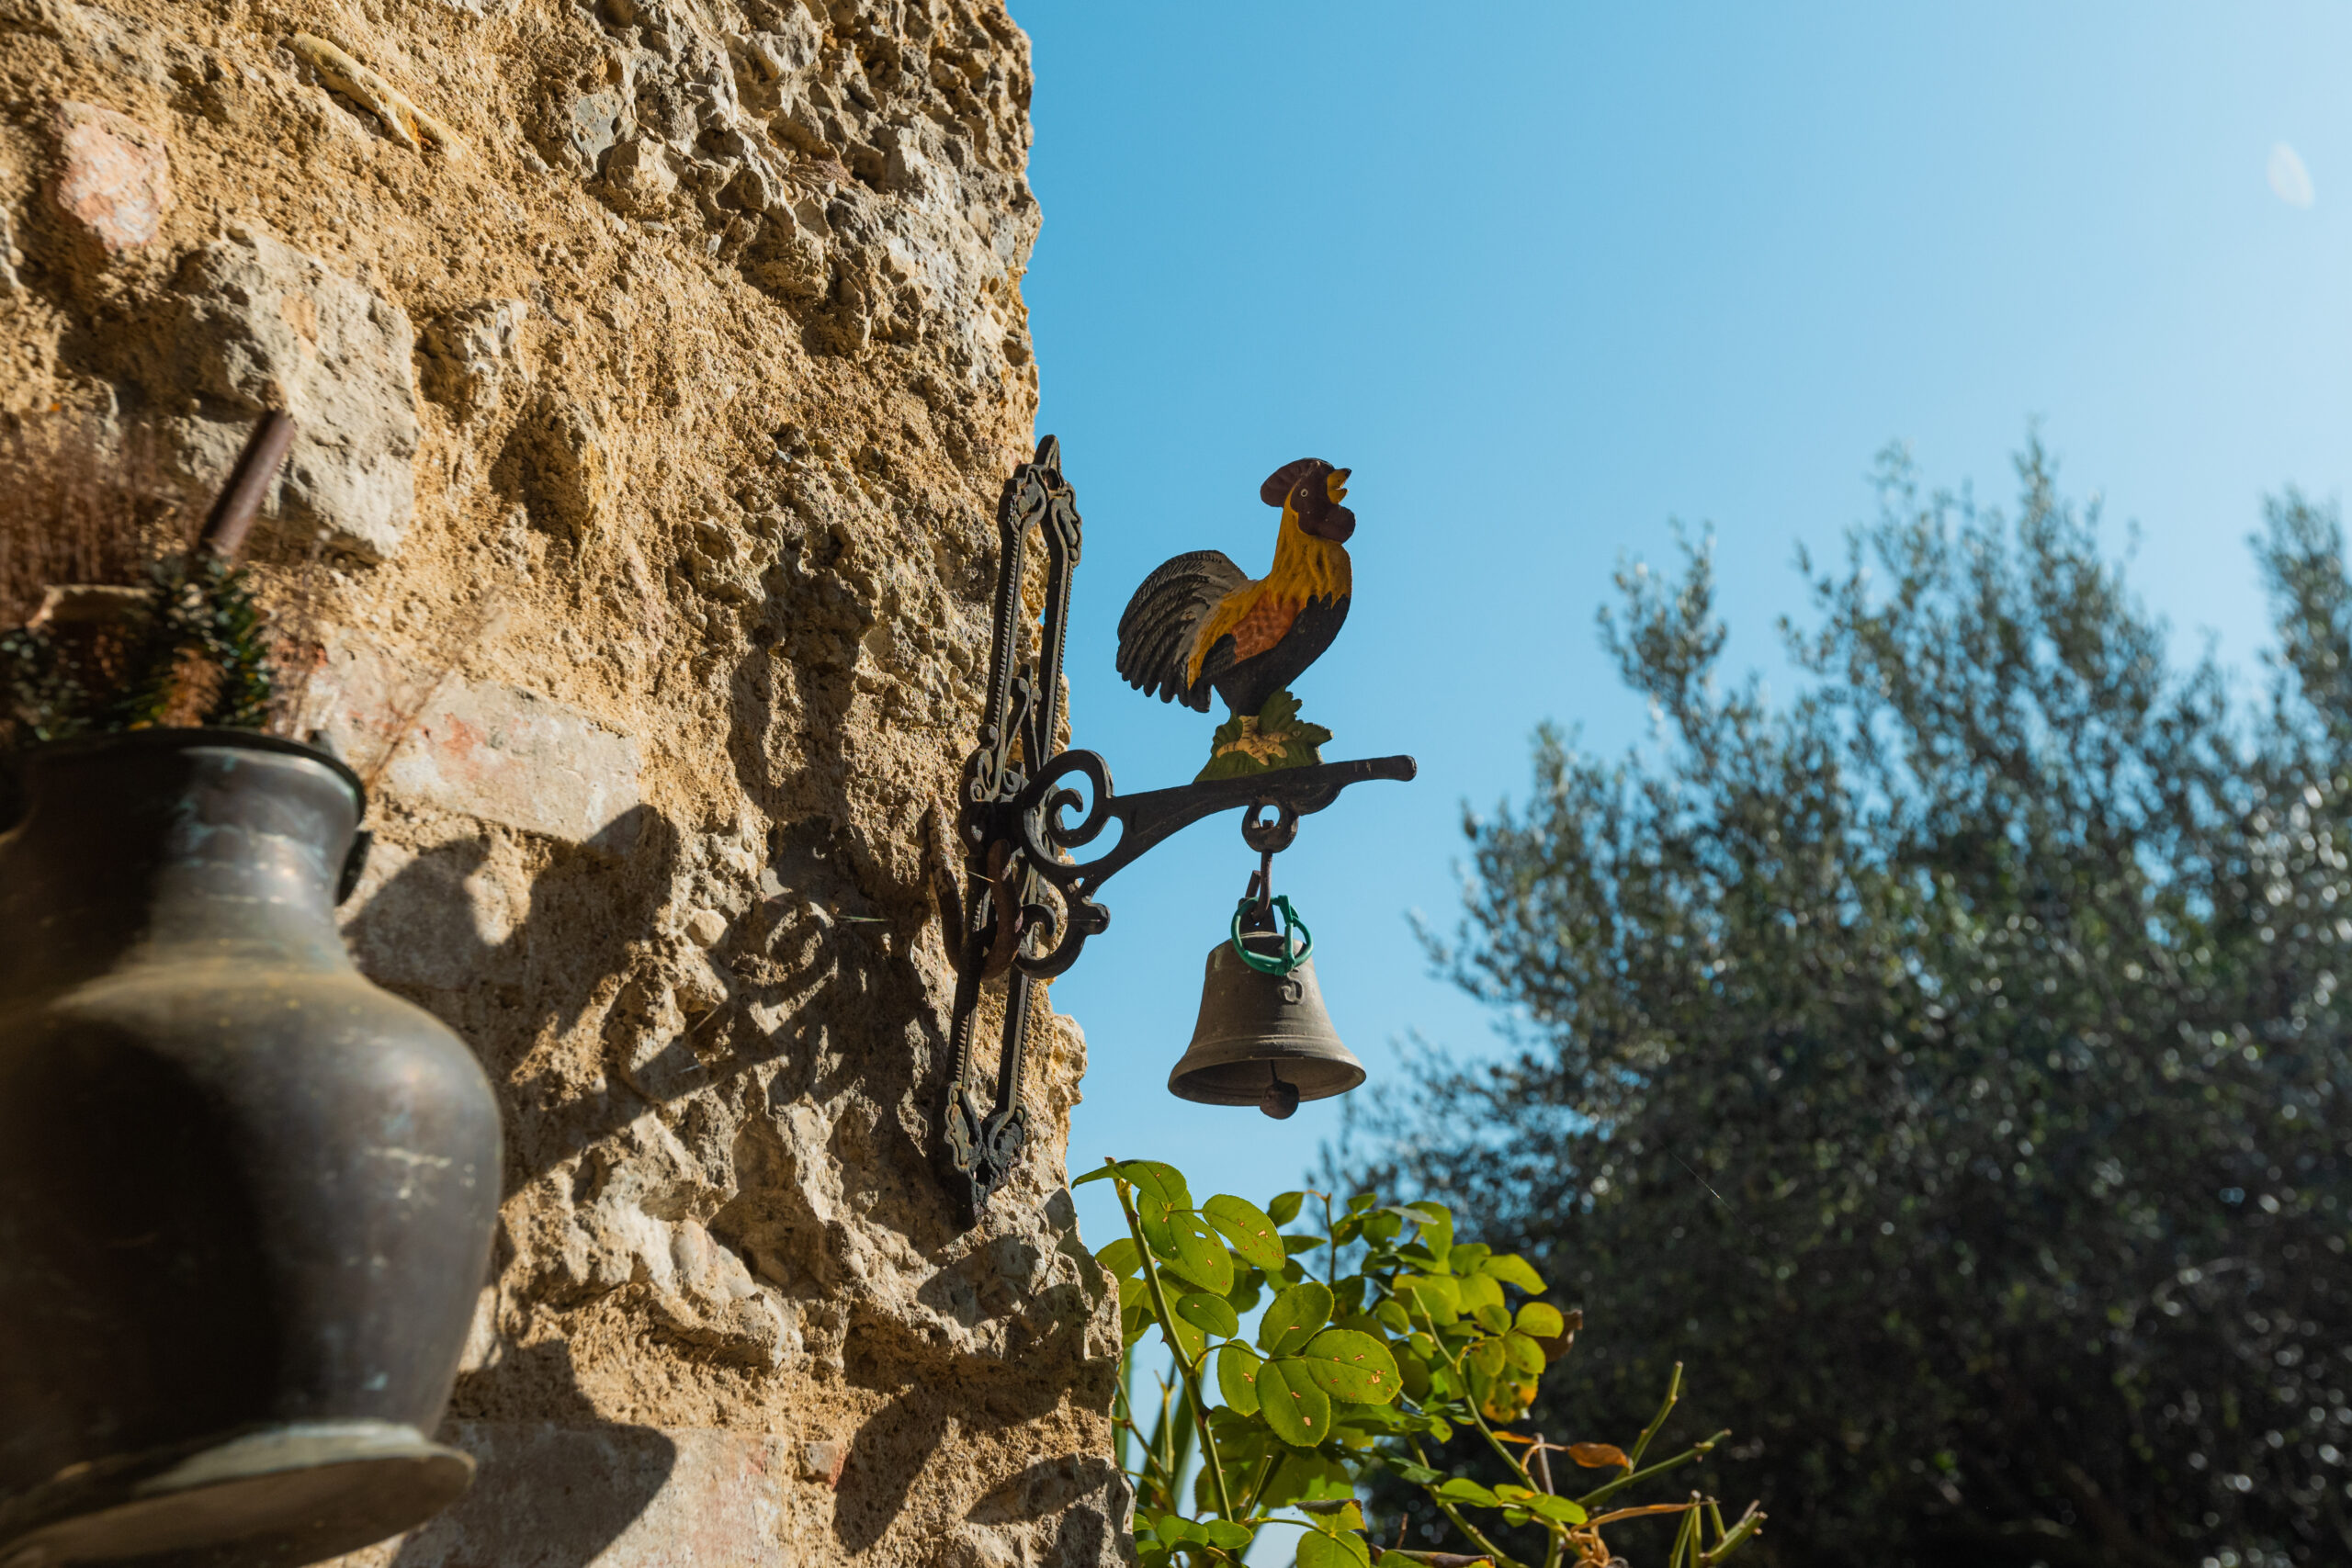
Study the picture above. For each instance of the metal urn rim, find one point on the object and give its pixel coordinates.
(313, 1490)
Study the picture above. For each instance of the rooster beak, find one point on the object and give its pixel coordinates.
(1335, 484)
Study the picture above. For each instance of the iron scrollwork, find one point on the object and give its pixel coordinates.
(1028, 907)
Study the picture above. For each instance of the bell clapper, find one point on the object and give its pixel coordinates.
(1281, 1098)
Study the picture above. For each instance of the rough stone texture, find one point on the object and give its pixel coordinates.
(251, 323)
(478, 748)
(652, 436)
(672, 1497)
(113, 178)
(473, 353)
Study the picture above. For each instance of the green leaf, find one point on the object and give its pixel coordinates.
(1433, 1295)
(1294, 1315)
(1524, 1354)
(1248, 1228)
(1475, 1290)
(1285, 1207)
(1559, 1510)
(1468, 1257)
(1100, 1173)
(1199, 1254)
(1418, 1474)
(1512, 1270)
(1336, 1513)
(1493, 1319)
(1237, 1376)
(1461, 1489)
(1294, 1245)
(1134, 1294)
(1437, 1227)
(1294, 1409)
(1370, 1417)
(1160, 1188)
(1216, 1315)
(1346, 1364)
(1308, 1476)
(1122, 1257)
(1391, 1316)
(1542, 1320)
(1226, 1533)
(1487, 1359)
(1344, 1549)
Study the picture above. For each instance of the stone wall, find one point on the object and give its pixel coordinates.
(657, 364)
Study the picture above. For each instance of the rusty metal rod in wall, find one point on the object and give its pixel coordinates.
(239, 503)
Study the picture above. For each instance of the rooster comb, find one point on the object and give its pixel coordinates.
(1279, 484)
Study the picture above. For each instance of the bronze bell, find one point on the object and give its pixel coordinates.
(1262, 1040)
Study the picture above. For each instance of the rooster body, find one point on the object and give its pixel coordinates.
(1201, 624)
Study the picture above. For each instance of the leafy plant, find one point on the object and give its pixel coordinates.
(189, 647)
(191, 651)
(1351, 1376)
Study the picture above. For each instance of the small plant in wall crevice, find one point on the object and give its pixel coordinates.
(185, 647)
(1354, 1373)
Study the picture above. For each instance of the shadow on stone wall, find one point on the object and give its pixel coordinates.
(1049, 1488)
(552, 1492)
(890, 1453)
(545, 1496)
(586, 917)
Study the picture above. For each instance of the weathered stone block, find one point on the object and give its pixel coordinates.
(496, 752)
(570, 470)
(254, 325)
(473, 354)
(593, 123)
(615, 1496)
(113, 179)
(640, 175)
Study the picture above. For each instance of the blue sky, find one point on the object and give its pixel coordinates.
(1548, 276)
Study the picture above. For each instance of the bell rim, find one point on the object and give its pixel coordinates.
(1184, 1082)
(1333, 1069)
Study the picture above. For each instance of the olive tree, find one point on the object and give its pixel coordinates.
(1947, 1062)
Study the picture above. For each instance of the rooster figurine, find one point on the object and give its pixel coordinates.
(1200, 624)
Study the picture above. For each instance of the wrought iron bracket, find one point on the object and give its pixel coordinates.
(1027, 906)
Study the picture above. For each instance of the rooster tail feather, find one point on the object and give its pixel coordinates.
(1157, 631)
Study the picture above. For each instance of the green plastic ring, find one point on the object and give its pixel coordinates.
(1294, 955)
